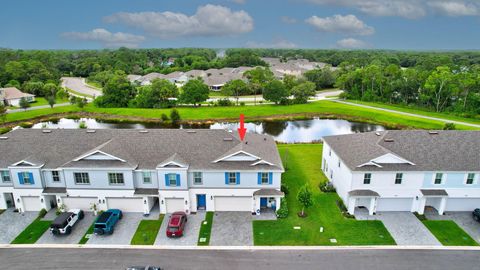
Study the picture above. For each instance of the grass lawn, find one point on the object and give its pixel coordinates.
(84, 239)
(303, 165)
(449, 233)
(77, 93)
(33, 232)
(147, 232)
(206, 230)
(94, 84)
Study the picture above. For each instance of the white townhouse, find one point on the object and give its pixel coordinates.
(405, 170)
(133, 170)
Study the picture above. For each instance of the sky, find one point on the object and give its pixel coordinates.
(323, 24)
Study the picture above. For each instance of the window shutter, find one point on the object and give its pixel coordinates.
(32, 181)
(270, 178)
(238, 178)
(226, 178)
(20, 178)
(178, 180)
(259, 178)
(166, 180)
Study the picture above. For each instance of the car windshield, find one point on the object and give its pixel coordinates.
(100, 226)
(173, 229)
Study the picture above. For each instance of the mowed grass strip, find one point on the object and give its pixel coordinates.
(85, 238)
(205, 230)
(303, 165)
(33, 232)
(449, 233)
(147, 232)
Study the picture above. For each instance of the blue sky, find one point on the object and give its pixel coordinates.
(376, 24)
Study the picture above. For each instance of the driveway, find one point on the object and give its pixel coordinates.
(78, 85)
(404, 227)
(74, 237)
(12, 224)
(123, 232)
(190, 238)
(463, 219)
(232, 229)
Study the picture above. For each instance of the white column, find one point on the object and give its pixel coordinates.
(256, 205)
(443, 204)
(371, 209)
(3, 201)
(45, 202)
(163, 206)
(277, 203)
(421, 205)
(146, 205)
(351, 205)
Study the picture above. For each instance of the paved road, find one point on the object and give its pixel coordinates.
(409, 114)
(319, 96)
(370, 259)
(78, 85)
(38, 107)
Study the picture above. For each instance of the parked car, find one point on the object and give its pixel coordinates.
(176, 224)
(476, 214)
(106, 222)
(144, 268)
(64, 222)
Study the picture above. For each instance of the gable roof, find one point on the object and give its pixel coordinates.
(140, 149)
(443, 150)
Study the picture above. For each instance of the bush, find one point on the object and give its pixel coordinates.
(327, 187)
(26, 124)
(164, 117)
(282, 212)
(242, 103)
(175, 116)
(82, 125)
(42, 213)
(420, 217)
(5, 130)
(284, 189)
(343, 209)
(449, 126)
(224, 102)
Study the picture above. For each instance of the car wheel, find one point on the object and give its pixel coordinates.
(111, 230)
(55, 232)
(80, 215)
(120, 216)
(68, 230)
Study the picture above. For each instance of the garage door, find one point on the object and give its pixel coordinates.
(233, 204)
(462, 204)
(394, 204)
(79, 203)
(174, 205)
(31, 203)
(126, 204)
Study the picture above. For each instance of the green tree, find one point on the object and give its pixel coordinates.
(3, 112)
(24, 104)
(35, 88)
(439, 87)
(275, 91)
(449, 126)
(304, 197)
(51, 101)
(303, 91)
(50, 89)
(160, 94)
(117, 93)
(174, 115)
(257, 79)
(194, 92)
(81, 102)
(235, 88)
(323, 78)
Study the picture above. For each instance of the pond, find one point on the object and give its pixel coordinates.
(283, 131)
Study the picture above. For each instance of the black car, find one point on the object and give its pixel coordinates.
(476, 214)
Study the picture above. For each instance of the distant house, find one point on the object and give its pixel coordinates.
(11, 96)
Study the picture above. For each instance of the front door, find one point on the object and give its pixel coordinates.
(263, 202)
(201, 202)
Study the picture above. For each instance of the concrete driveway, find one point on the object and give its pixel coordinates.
(463, 219)
(232, 229)
(190, 238)
(12, 224)
(78, 85)
(404, 227)
(74, 237)
(123, 232)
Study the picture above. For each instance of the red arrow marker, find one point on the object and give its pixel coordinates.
(242, 130)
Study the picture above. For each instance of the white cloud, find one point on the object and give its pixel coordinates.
(209, 20)
(351, 43)
(279, 44)
(108, 39)
(288, 20)
(348, 24)
(455, 8)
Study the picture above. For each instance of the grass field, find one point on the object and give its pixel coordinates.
(147, 231)
(449, 233)
(206, 230)
(33, 232)
(84, 239)
(303, 164)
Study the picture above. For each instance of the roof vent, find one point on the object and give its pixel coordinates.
(230, 131)
(228, 139)
(432, 132)
(388, 140)
(91, 131)
(378, 133)
(46, 131)
(143, 131)
(191, 131)
(3, 138)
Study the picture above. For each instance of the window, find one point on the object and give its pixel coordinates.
(367, 178)
(264, 178)
(331, 174)
(330, 152)
(26, 178)
(232, 178)
(339, 163)
(197, 178)
(115, 178)
(5, 175)
(147, 177)
(438, 178)
(470, 178)
(398, 178)
(172, 179)
(81, 178)
(55, 176)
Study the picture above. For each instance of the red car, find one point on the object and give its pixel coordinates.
(176, 224)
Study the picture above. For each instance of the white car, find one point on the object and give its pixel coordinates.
(64, 222)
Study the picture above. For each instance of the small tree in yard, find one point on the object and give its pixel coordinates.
(235, 88)
(304, 196)
(51, 101)
(194, 92)
(24, 104)
(275, 91)
(3, 112)
(175, 116)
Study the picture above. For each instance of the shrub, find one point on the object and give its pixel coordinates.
(449, 126)
(327, 187)
(42, 213)
(175, 116)
(282, 212)
(242, 103)
(284, 189)
(26, 124)
(343, 209)
(224, 102)
(420, 217)
(82, 125)
(164, 117)
(5, 130)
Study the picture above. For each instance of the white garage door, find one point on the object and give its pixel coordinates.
(394, 204)
(31, 203)
(126, 204)
(174, 205)
(80, 203)
(233, 204)
(462, 204)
